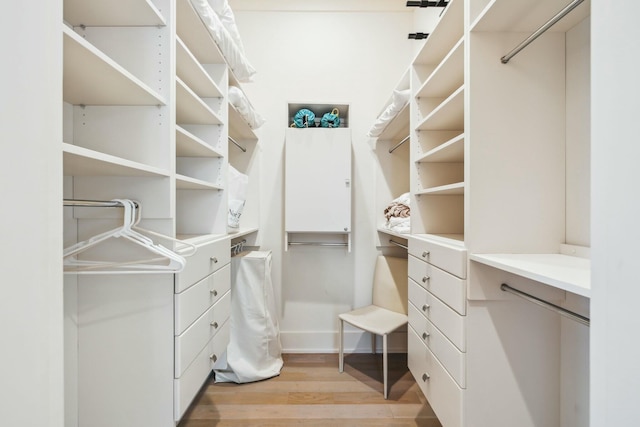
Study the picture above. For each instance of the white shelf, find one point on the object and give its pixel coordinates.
(242, 232)
(92, 78)
(190, 109)
(447, 77)
(189, 145)
(194, 34)
(398, 127)
(191, 72)
(448, 31)
(453, 240)
(449, 115)
(528, 15)
(79, 161)
(196, 239)
(393, 233)
(572, 274)
(238, 127)
(187, 183)
(444, 190)
(112, 13)
(451, 151)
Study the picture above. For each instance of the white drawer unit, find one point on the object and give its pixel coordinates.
(209, 257)
(187, 386)
(441, 315)
(447, 257)
(440, 389)
(202, 308)
(190, 304)
(449, 288)
(195, 338)
(448, 354)
(437, 332)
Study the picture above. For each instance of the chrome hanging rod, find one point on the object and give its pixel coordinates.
(406, 138)
(393, 242)
(95, 203)
(316, 244)
(244, 150)
(541, 30)
(549, 306)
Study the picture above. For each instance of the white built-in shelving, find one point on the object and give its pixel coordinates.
(437, 126)
(145, 117)
(391, 147)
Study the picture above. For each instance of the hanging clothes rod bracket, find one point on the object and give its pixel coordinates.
(244, 150)
(546, 304)
(405, 139)
(540, 30)
(393, 242)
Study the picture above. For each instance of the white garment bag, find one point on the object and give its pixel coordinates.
(254, 352)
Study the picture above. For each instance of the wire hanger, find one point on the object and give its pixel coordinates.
(167, 261)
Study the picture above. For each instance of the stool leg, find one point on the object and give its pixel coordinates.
(373, 343)
(384, 363)
(341, 348)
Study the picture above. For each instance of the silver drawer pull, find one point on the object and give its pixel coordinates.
(425, 254)
(214, 358)
(426, 307)
(214, 293)
(214, 324)
(425, 377)
(425, 278)
(214, 259)
(425, 335)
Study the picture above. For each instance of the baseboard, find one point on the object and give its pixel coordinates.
(327, 342)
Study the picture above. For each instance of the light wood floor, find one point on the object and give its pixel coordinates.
(311, 392)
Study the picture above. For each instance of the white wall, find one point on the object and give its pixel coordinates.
(347, 57)
(615, 349)
(31, 359)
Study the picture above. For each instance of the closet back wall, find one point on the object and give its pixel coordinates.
(321, 56)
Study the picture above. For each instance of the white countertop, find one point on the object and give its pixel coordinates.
(570, 273)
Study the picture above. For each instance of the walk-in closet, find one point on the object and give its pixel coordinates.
(271, 212)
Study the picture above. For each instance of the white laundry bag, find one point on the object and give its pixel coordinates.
(238, 183)
(254, 352)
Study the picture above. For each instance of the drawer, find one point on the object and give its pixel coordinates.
(450, 323)
(190, 304)
(449, 288)
(442, 392)
(450, 258)
(187, 386)
(196, 336)
(209, 257)
(453, 360)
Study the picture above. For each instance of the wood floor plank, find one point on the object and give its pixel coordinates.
(311, 392)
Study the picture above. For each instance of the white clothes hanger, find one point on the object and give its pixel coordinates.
(173, 262)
